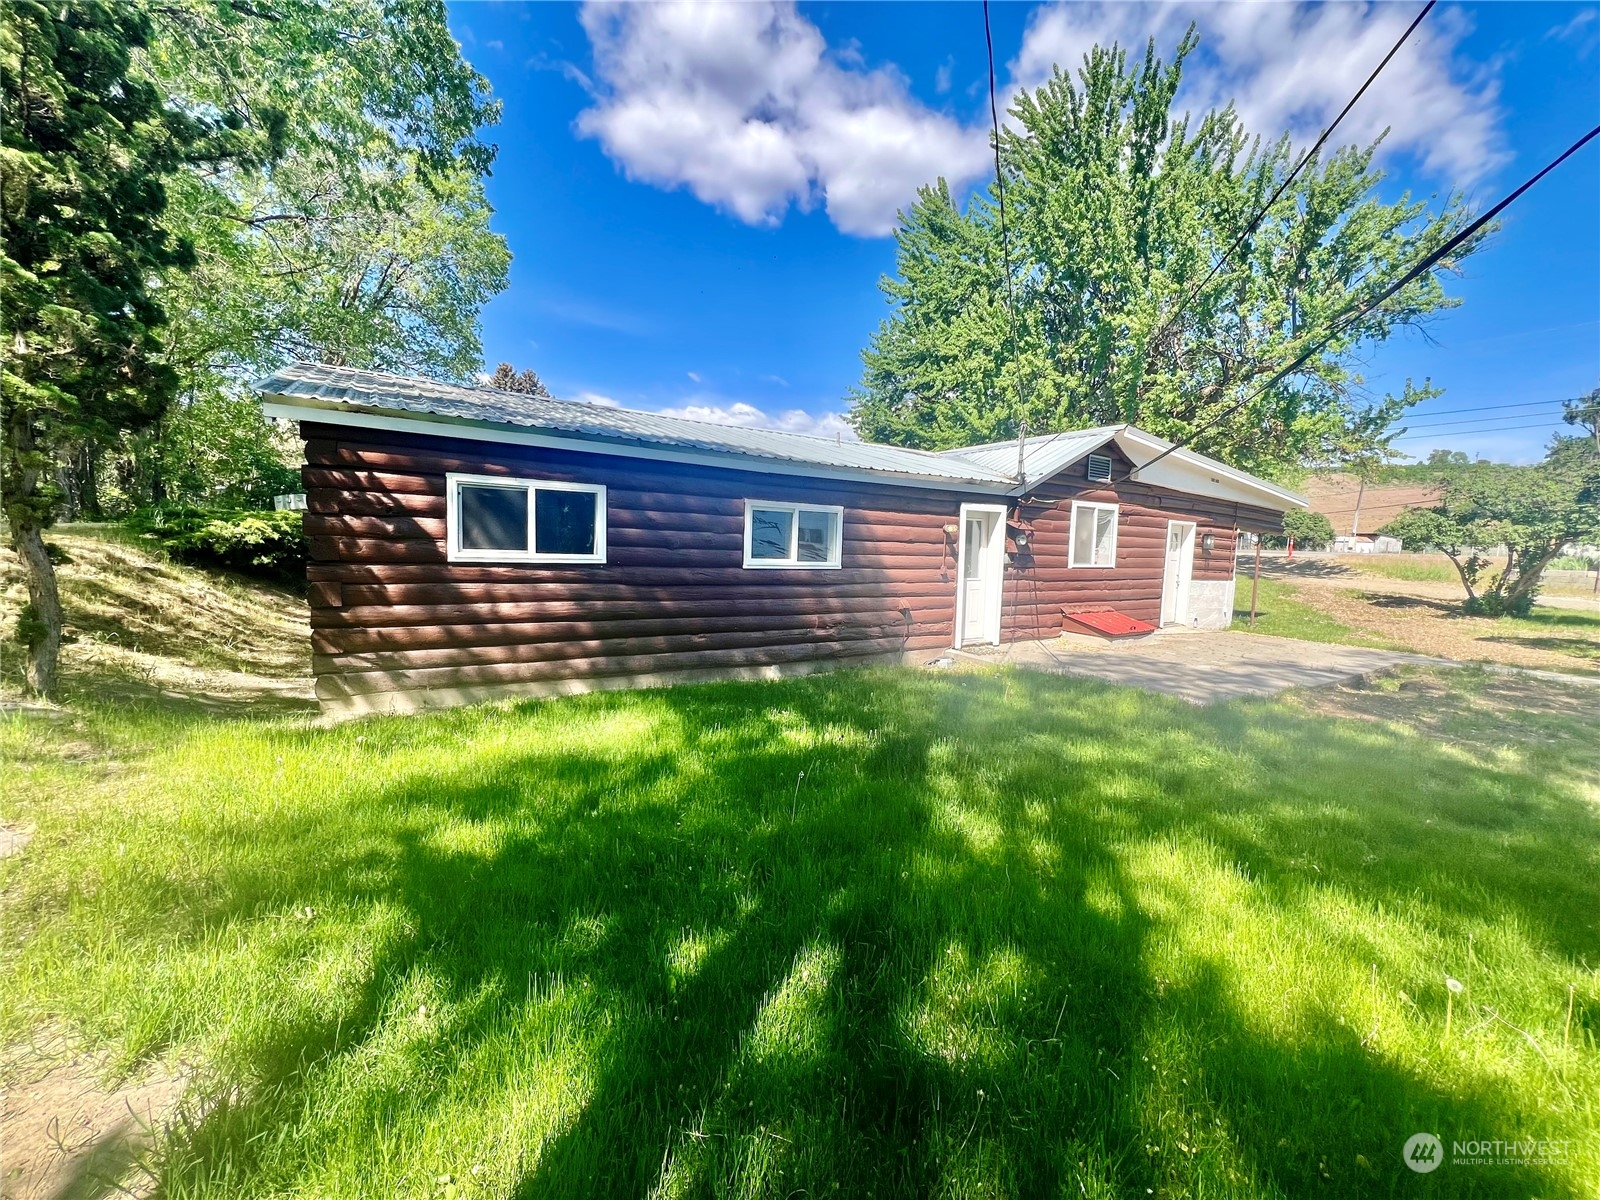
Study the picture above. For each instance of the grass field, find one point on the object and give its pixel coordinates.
(870, 934)
(1416, 568)
(1281, 612)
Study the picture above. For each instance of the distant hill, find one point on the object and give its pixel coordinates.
(1334, 496)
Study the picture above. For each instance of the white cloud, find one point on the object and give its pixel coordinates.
(1291, 66)
(748, 416)
(745, 105)
(596, 399)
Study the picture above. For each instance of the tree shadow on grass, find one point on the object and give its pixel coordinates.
(887, 931)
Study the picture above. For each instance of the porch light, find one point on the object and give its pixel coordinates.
(1209, 542)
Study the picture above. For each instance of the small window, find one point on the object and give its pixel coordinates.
(791, 535)
(1099, 469)
(524, 520)
(1094, 535)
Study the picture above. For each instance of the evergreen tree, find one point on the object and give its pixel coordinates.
(84, 152)
(508, 379)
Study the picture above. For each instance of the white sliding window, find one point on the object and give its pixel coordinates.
(791, 535)
(494, 519)
(1094, 535)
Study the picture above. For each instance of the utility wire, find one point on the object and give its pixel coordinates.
(1005, 250)
(1445, 412)
(1521, 416)
(1411, 437)
(1250, 226)
(1356, 312)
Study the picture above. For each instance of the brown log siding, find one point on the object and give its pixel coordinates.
(1040, 585)
(390, 613)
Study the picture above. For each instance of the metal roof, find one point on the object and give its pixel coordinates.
(312, 385)
(1043, 456)
(311, 388)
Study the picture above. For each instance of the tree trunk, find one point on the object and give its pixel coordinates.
(1528, 577)
(1462, 571)
(42, 624)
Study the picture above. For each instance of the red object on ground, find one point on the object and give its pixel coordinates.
(1106, 624)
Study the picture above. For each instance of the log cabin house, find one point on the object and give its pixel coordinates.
(469, 544)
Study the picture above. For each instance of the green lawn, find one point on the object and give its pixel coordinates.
(871, 934)
(1281, 613)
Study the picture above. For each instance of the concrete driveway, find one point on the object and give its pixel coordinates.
(1200, 667)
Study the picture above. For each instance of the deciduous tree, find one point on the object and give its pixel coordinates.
(1117, 209)
(1528, 512)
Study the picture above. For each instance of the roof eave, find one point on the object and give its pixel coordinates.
(295, 407)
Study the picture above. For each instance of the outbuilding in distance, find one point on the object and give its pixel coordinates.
(470, 544)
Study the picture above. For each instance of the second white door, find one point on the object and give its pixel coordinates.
(1179, 572)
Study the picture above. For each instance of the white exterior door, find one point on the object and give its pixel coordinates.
(1179, 571)
(981, 565)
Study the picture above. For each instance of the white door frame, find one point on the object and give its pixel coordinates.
(991, 571)
(1187, 574)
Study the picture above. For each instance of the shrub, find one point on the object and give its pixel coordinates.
(270, 544)
(1310, 531)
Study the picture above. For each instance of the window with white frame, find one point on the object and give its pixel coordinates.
(1094, 535)
(493, 519)
(791, 535)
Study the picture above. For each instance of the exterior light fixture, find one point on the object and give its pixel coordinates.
(1209, 542)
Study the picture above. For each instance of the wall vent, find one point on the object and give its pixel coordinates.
(1099, 469)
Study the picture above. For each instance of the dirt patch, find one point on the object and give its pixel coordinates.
(1426, 617)
(1466, 706)
(67, 1133)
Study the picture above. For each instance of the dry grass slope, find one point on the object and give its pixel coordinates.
(145, 628)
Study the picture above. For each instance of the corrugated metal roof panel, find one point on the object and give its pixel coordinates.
(376, 390)
(1045, 454)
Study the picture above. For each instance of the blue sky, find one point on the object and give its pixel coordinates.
(698, 201)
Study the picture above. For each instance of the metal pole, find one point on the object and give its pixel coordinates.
(1255, 581)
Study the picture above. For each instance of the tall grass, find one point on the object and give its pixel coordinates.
(874, 934)
(1416, 568)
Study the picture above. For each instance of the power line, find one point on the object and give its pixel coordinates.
(1250, 227)
(1356, 312)
(1190, 294)
(1005, 252)
(1410, 437)
(1519, 416)
(1444, 412)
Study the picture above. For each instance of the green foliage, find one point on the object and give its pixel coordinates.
(85, 150)
(1584, 411)
(270, 544)
(1575, 562)
(1529, 512)
(1310, 531)
(1117, 208)
(508, 379)
(367, 242)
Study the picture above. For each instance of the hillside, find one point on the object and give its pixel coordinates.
(144, 627)
(1334, 496)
